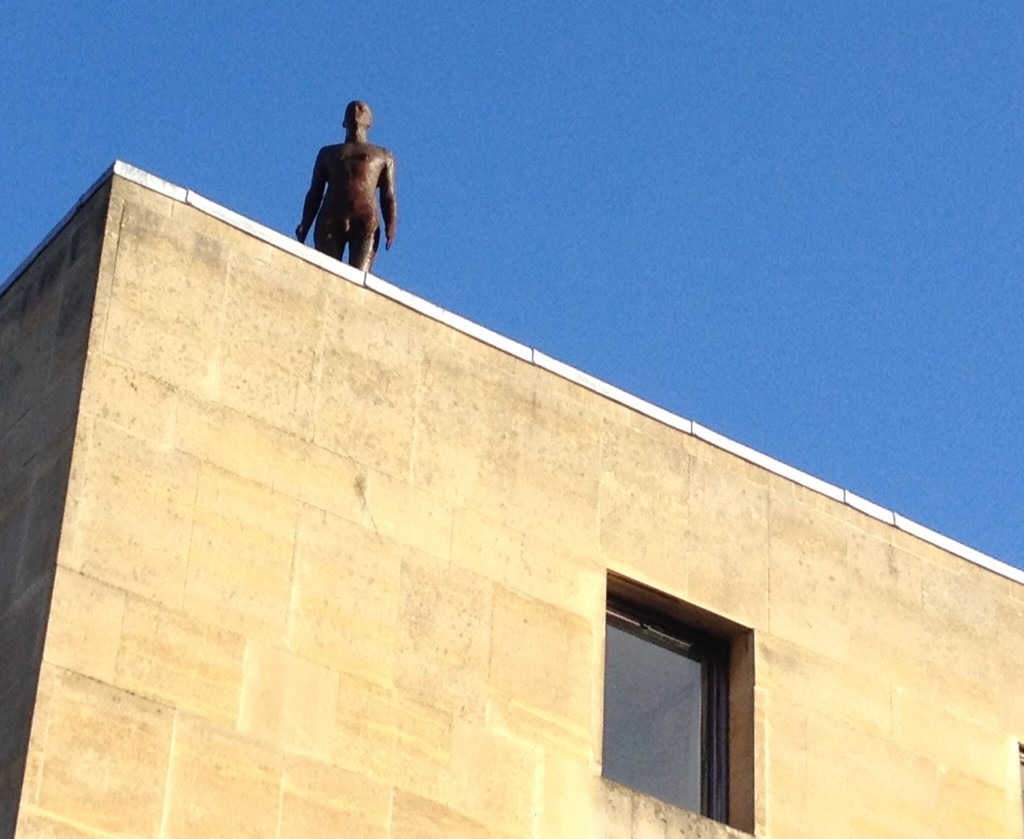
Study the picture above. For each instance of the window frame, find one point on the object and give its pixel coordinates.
(661, 628)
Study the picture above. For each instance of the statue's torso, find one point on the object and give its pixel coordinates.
(353, 172)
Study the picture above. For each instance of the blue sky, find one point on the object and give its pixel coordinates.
(799, 224)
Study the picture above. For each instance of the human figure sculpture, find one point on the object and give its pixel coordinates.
(352, 172)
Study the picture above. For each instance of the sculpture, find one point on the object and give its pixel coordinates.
(352, 173)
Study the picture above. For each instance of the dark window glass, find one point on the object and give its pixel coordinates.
(663, 717)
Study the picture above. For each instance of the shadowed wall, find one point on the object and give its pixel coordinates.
(45, 317)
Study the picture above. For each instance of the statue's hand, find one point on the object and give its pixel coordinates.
(390, 241)
(300, 234)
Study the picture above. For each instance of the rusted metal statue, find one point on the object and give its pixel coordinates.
(352, 172)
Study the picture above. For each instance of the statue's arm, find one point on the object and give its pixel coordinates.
(313, 198)
(388, 201)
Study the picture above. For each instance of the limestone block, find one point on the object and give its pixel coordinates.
(40, 824)
(70, 534)
(28, 320)
(745, 814)
(893, 794)
(543, 673)
(401, 318)
(368, 386)
(269, 345)
(928, 729)
(644, 503)
(221, 785)
(955, 670)
(420, 818)
(476, 352)
(726, 549)
(886, 584)
(49, 682)
(555, 495)
(489, 547)
(928, 551)
(569, 804)
(558, 575)
(808, 680)
(229, 439)
(809, 602)
(1010, 614)
(240, 244)
(392, 737)
(171, 657)
(628, 814)
(282, 461)
(167, 300)
(322, 800)
(134, 517)
(969, 807)
(14, 503)
(240, 559)
(892, 643)
(962, 601)
(106, 757)
(15, 720)
(104, 277)
(22, 630)
(128, 399)
(323, 479)
(650, 818)
(39, 436)
(444, 636)
(77, 294)
(85, 625)
(407, 515)
(45, 516)
(468, 431)
(345, 596)
(504, 800)
(554, 573)
(617, 810)
(156, 203)
(800, 758)
(288, 701)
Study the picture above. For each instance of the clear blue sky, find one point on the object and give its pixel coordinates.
(800, 224)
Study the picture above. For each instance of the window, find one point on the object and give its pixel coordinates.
(666, 705)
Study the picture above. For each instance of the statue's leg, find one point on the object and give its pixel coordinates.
(332, 244)
(363, 248)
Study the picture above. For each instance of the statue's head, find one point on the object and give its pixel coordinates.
(357, 113)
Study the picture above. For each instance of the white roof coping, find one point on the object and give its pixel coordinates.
(767, 462)
(562, 369)
(143, 178)
(870, 508)
(959, 549)
(521, 351)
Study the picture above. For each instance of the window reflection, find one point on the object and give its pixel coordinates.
(654, 714)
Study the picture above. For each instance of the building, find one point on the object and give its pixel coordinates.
(288, 552)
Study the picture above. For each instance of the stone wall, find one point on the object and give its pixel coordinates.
(332, 568)
(44, 326)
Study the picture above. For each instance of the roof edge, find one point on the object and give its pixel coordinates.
(532, 356)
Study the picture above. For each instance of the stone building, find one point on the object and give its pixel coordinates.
(288, 552)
